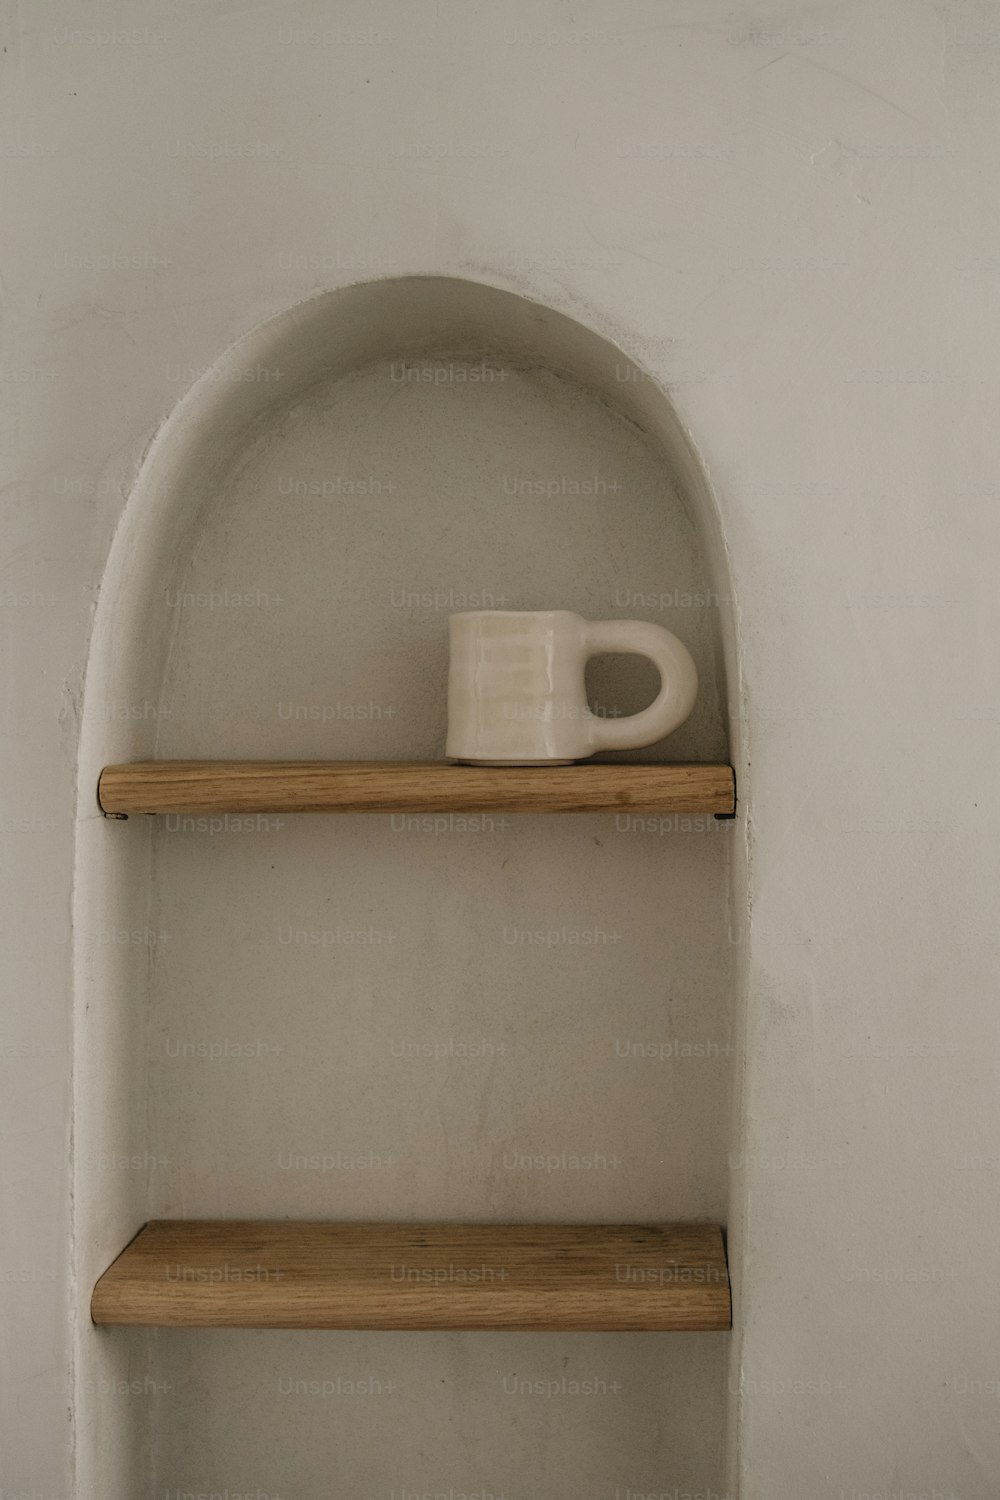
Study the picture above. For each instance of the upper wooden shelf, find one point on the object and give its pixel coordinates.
(251, 786)
(296, 1274)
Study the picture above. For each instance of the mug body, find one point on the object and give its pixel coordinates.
(516, 690)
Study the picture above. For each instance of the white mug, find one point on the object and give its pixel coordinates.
(517, 695)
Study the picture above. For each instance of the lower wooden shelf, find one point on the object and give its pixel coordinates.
(306, 1274)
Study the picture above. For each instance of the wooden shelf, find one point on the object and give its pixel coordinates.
(296, 1274)
(204, 786)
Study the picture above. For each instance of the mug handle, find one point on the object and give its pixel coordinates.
(678, 682)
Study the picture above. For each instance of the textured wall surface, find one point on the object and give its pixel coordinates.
(788, 214)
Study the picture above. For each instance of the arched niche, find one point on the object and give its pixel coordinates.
(150, 912)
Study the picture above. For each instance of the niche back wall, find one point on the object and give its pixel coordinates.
(488, 1018)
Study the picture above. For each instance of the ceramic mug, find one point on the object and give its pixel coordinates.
(516, 690)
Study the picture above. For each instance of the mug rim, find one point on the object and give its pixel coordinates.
(472, 614)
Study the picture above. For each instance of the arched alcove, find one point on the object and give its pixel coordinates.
(260, 999)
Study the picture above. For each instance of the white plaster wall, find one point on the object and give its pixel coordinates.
(789, 212)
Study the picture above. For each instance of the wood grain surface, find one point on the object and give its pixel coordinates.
(305, 1274)
(194, 786)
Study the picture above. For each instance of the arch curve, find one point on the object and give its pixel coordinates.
(323, 340)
